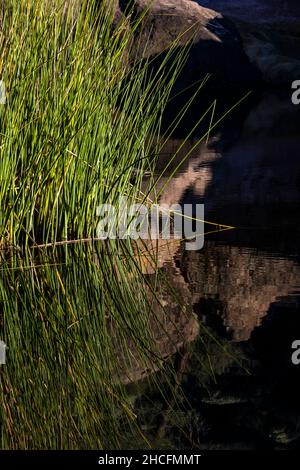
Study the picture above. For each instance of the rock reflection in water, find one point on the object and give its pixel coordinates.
(253, 183)
(173, 324)
(241, 284)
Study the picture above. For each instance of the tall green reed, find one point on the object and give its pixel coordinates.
(77, 120)
(78, 129)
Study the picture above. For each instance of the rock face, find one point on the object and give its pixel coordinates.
(216, 45)
(169, 21)
(271, 34)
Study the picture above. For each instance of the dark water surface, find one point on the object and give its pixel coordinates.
(242, 388)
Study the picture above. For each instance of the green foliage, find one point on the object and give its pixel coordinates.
(77, 130)
(78, 120)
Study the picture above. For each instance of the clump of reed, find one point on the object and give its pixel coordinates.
(77, 130)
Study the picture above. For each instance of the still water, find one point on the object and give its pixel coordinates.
(244, 284)
(241, 386)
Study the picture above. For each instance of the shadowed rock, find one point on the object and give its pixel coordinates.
(271, 34)
(216, 47)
